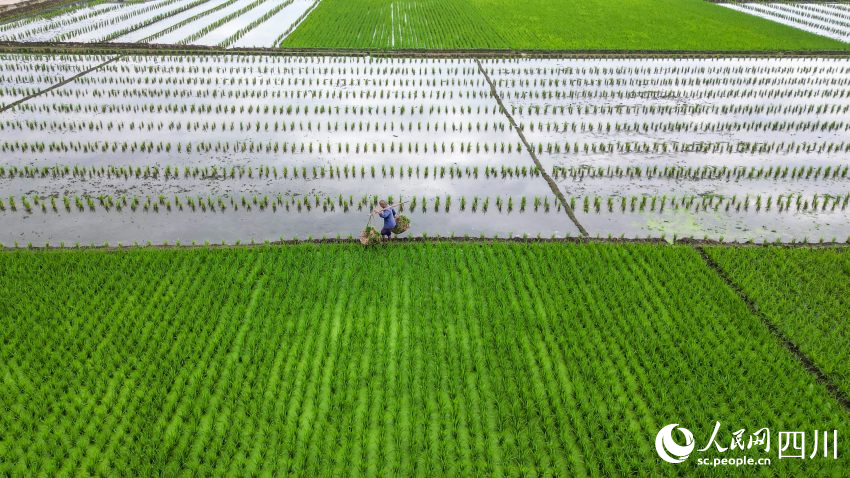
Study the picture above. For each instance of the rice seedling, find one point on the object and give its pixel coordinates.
(243, 310)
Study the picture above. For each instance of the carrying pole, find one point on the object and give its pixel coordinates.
(369, 222)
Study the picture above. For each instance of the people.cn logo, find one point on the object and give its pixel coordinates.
(668, 449)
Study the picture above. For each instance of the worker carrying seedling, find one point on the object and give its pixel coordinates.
(389, 215)
(393, 224)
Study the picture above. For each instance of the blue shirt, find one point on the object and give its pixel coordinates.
(389, 218)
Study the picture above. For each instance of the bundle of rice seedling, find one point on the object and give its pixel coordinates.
(402, 224)
(370, 236)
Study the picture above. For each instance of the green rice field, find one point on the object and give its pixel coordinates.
(413, 359)
(546, 25)
(804, 294)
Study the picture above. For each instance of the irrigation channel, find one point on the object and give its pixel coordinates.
(130, 146)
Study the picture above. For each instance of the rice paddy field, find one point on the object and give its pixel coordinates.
(802, 293)
(628, 254)
(830, 20)
(227, 23)
(211, 148)
(485, 359)
(441, 24)
(547, 25)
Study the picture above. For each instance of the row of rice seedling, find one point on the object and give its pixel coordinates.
(249, 110)
(257, 126)
(292, 93)
(722, 76)
(274, 203)
(252, 147)
(653, 110)
(719, 147)
(394, 170)
(722, 69)
(681, 172)
(289, 110)
(267, 172)
(295, 370)
(792, 202)
(687, 126)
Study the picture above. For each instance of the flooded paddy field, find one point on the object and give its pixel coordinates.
(242, 23)
(246, 147)
(829, 19)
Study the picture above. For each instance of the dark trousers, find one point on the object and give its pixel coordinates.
(387, 231)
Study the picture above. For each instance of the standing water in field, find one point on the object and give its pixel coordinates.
(230, 147)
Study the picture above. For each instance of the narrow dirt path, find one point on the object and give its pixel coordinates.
(552, 184)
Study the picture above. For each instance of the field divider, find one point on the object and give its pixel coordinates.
(789, 345)
(403, 241)
(58, 85)
(552, 184)
(435, 53)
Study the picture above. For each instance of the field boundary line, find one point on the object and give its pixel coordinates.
(695, 243)
(552, 184)
(58, 85)
(789, 345)
(177, 49)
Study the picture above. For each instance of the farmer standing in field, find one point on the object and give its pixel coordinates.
(388, 214)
